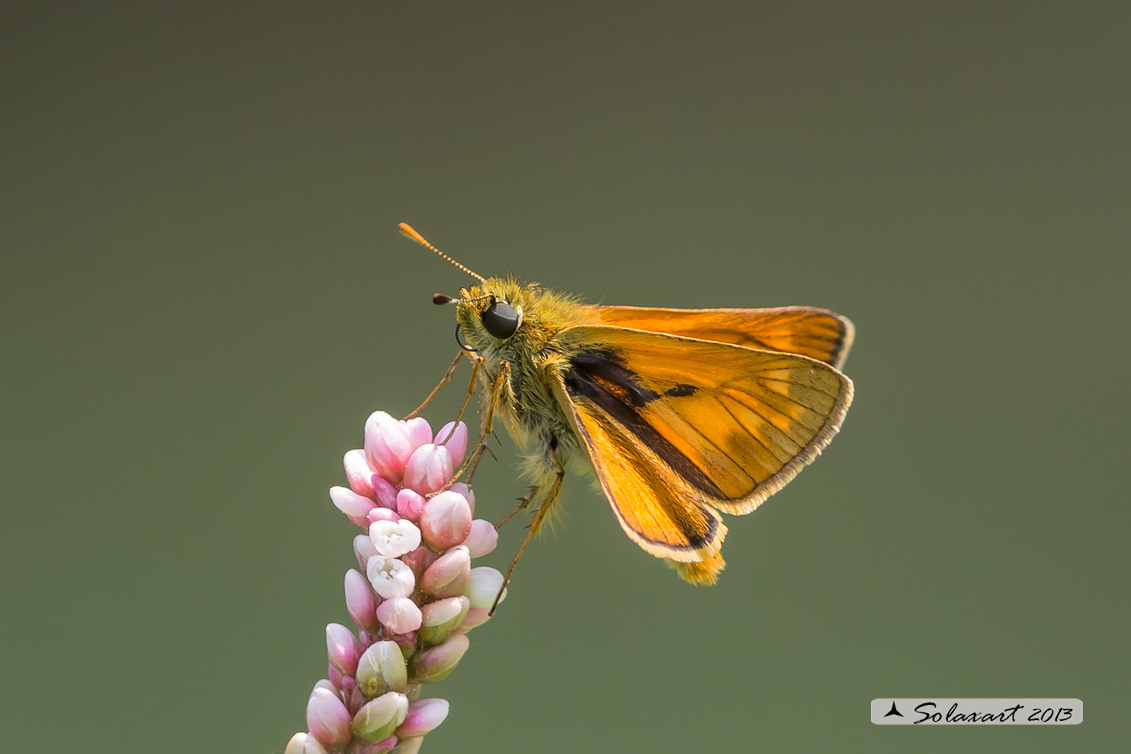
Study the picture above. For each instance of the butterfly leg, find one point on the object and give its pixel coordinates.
(476, 365)
(497, 388)
(446, 379)
(523, 503)
(548, 501)
(488, 399)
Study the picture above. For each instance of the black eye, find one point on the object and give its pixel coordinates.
(501, 319)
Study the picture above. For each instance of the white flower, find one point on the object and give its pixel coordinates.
(394, 538)
(390, 577)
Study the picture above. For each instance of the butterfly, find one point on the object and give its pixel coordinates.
(680, 413)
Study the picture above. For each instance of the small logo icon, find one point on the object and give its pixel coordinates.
(894, 711)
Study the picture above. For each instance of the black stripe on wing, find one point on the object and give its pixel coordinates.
(601, 377)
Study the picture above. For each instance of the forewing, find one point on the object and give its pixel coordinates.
(816, 333)
(731, 424)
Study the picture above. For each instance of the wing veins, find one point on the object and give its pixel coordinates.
(769, 424)
(798, 384)
(722, 451)
(754, 436)
(762, 416)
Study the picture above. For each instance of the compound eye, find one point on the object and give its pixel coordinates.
(501, 319)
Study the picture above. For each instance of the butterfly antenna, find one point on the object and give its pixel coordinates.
(408, 232)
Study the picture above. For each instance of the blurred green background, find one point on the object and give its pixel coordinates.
(204, 296)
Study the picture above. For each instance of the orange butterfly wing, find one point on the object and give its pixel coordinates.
(816, 333)
(677, 427)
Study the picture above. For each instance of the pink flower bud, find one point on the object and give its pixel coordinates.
(304, 743)
(355, 698)
(399, 615)
(410, 745)
(363, 549)
(418, 431)
(419, 560)
(379, 718)
(448, 576)
(484, 586)
(428, 468)
(394, 538)
(445, 520)
(342, 648)
(381, 669)
(381, 514)
(384, 746)
(441, 618)
(390, 577)
(435, 664)
(456, 440)
(467, 493)
(384, 492)
(358, 473)
(407, 642)
(442, 611)
(409, 504)
(360, 601)
(476, 616)
(328, 719)
(424, 716)
(333, 677)
(482, 539)
(351, 503)
(387, 447)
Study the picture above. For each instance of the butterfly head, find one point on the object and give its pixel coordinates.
(489, 313)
